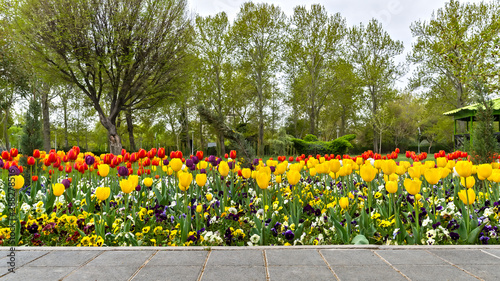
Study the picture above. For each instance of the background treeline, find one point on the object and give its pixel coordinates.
(110, 74)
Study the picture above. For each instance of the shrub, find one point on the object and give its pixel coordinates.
(310, 138)
(337, 146)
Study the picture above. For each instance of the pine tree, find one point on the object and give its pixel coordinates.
(484, 142)
(32, 136)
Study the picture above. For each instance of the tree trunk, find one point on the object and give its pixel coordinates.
(5, 128)
(130, 129)
(114, 140)
(65, 113)
(222, 145)
(46, 121)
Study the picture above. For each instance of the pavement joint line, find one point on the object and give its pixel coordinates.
(142, 266)
(464, 270)
(490, 254)
(268, 277)
(328, 264)
(204, 265)
(392, 266)
(82, 265)
(26, 263)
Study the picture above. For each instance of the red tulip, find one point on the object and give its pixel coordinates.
(142, 153)
(161, 152)
(153, 152)
(34, 178)
(77, 150)
(31, 161)
(36, 153)
(123, 152)
(52, 157)
(225, 156)
(199, 154)
(178, 155)
(232, 154)
(68, 169)
(5, 155)
(21, 168)
(290, 159)
(60, 168)
(13, 152)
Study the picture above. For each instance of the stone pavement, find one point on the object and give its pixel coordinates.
(256, 263)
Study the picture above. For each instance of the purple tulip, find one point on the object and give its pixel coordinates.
(1, 163)
(231, 165)
(256, 161)
(14, 171)
(165, 162)
(272, 169)
(195, 160)
(192, 168)
(89, 160)
(123, 171)
(218, 161)
(189, 163)
(212, 160)
(138, 188)
(66, 183)
(203, 171)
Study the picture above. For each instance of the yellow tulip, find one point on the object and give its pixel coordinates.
(414, 172)
(126, 186)
(148, 182)
(430, 164)
(199, 208)
(278, 179)
(495, 176)
(102, 193)
(103, 170)
(281, 168)
(202, 165)
(246, 173)
(223, 168)
(134, 180)
(441, 162)
(333, 175)
(418, 197)
(432, 176)
(312, 172)
(18, 182)
(185, 179)
(412, 186)
(176, 164)
(344, 202)
(464, 168)
(400, 170)
(335, 165)
(263, 180)
(389, 167)
(484, 171)
(201, 179)
(378, 164)
(405, 164)
(391, 186)
(293, 177)
(470, 182)
(368, 172)
(58, 189)
(445, 172)
(463, 194)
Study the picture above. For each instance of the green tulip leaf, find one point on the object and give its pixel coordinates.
(360, 240)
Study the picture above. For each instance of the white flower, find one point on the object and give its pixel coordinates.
(173, 204)
(25, 207)
(255, 238)
(431, 234)
(232, 210)
(488, 212)
(426, 221)
(2, 207)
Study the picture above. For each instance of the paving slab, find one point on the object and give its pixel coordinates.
(433, 272)
(466, 256)
(231, 273)
(40, 273)
(236, 258)
(65, 258)
(368, 273)
(174, 273)
(351, 257)
(420, 257)
(483, 271)
(107, 273)
(294, 257)
(21, 258)
(300, 273)
(178, 258)
(121, 258)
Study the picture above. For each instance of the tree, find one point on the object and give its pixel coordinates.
(458, 46)
(213, 48)
(32, 137)
(257, 33)
(372, 51)
(122, 54)
(314, 42)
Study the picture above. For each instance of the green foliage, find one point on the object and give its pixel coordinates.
(310, 138)
(484, 142)
(337, 146)
(32, 135)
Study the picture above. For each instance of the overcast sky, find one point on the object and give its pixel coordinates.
(396, 16)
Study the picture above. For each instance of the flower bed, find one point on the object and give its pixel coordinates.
(149, 199)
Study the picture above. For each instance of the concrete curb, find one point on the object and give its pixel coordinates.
(260, 248)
